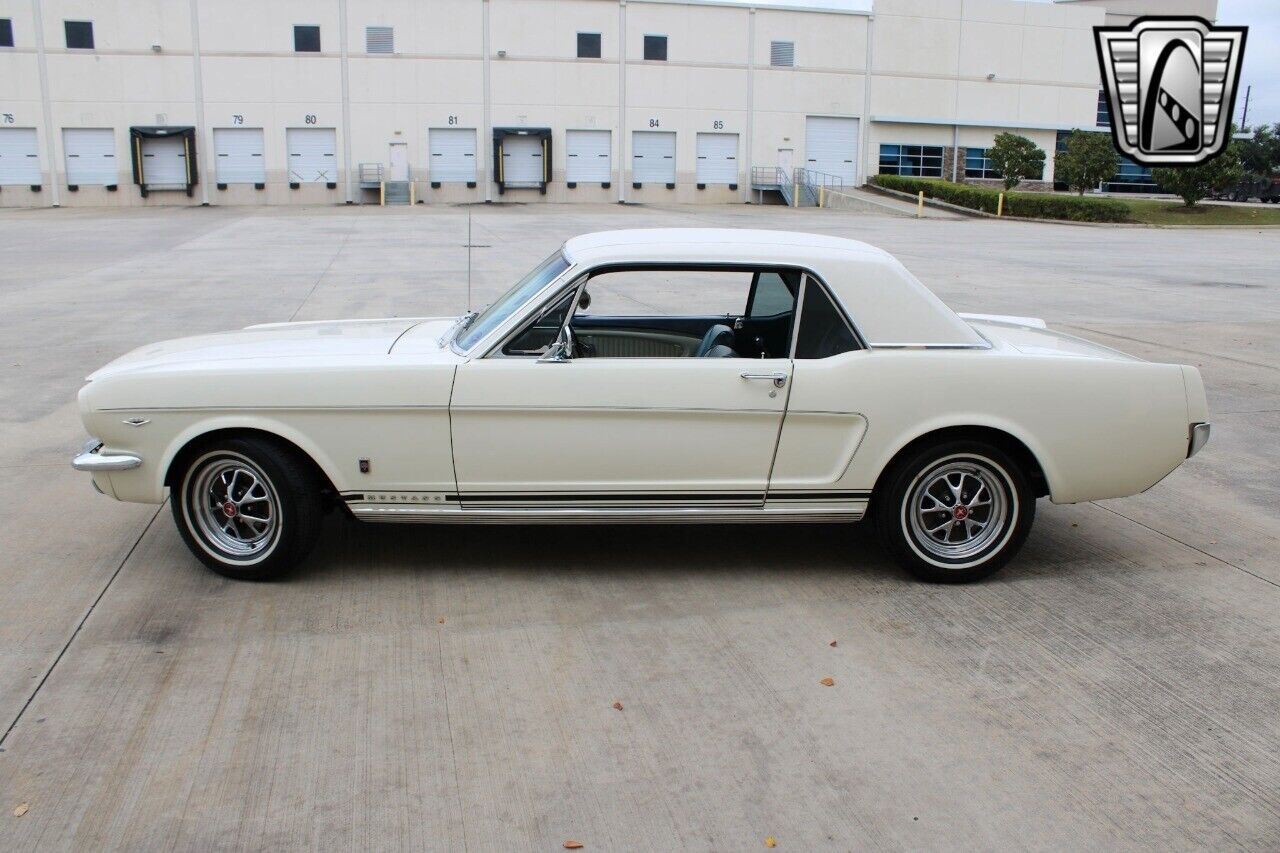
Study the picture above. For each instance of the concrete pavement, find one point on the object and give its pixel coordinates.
(451, 688)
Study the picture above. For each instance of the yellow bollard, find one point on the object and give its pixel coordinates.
(795, 194)
(822, 196)
(382, 194)
(412, 193)
(920, 205)
(1000, 206)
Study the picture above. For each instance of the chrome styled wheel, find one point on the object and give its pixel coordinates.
(232, 506)
(957, 509)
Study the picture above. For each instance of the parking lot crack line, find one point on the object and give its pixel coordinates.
(1213, 557)
(1093, 331)
(453, 749)
(75, 633)
(323, 273)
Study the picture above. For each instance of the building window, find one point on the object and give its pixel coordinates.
(978, 165)
(588, 45)
(655, 48)
(782, 53)
(376, 40)
(1132, 178)
(1104, 110)
(6, 32)
(915, 161)
(306, 39)
(79, 34)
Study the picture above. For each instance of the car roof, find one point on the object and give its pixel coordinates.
(697, 244)
(885, 301)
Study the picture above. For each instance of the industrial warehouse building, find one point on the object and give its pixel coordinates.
(139, 102)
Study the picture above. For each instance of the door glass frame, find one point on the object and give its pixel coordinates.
(584, 276)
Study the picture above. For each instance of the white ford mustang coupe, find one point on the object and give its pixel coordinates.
(645, 376)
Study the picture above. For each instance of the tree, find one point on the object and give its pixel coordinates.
(1088, 160)
(1192, 183)
(1260, 155)
(1016, 158)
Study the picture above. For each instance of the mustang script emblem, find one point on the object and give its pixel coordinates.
(1171, 84)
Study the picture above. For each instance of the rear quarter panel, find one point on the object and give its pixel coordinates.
(1100, 428)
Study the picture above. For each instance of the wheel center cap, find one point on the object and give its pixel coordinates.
(960, 512)
(229, 509)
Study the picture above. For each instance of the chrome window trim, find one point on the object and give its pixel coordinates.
(982, 346)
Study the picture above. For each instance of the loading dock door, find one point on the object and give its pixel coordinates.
(588, 157)
(239, 153)
(522, 161)
(19, 157)
(164, 162)
(313, 155)
(717, 158)
(91, 156)
(453, 155)
(653, 157)
(831, 146)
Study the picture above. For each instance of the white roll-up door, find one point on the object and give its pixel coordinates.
(453, 154)
(164, 162)
(717, 158)
(91, 156)
(522, 161)
(653, 157)
(240, 155)
(588, 156)
(313, 155)
(831, 146)
(19, 157)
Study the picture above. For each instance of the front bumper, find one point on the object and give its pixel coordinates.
(90, 459)
(1199, 438)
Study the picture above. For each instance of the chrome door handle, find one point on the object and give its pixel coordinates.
(778, 379)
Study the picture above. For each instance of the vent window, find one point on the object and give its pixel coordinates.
(79, 34)
(588, 45)
(379, 40)
(782, 53)
(6, 32)
(306, 39)
(655, 48)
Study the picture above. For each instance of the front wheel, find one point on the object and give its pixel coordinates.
(955, 512)
(248, 508)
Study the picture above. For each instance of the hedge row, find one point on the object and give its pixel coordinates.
(1028, 205)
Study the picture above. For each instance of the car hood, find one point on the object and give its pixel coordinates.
(324, 338)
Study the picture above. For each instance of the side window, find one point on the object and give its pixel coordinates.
(772, 296)
(823, 330)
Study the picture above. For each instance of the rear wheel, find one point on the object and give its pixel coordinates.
(248, 508)
(955, 512)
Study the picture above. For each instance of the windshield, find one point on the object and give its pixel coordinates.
(510, 302)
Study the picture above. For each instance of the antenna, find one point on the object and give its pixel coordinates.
(1244, 120)
(468, 258)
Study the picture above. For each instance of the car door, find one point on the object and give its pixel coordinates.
(825, 424)
(618, 432)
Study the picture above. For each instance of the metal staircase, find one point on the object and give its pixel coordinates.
(396, 192)
(802, 188)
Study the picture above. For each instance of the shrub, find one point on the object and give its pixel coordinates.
(1029, 205)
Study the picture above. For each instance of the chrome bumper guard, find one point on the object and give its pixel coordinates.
(1199, 438)
(89, 459)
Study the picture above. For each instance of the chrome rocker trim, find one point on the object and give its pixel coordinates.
(89, 459)
(852, 511)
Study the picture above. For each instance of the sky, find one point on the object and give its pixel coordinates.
(1261, 54)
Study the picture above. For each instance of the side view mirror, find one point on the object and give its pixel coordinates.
(584, 301)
